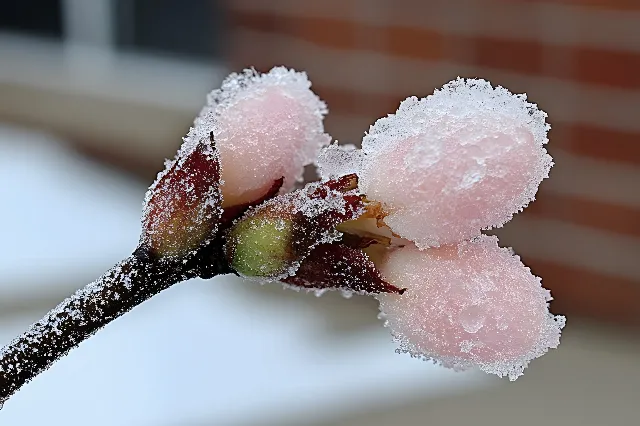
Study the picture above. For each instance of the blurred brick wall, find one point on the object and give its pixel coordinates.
(578, 59)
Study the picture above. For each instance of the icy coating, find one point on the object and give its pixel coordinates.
(339, 160)
(266, 126)
(464, 159)
(474, 304)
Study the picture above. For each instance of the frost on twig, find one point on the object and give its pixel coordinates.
(123, 287)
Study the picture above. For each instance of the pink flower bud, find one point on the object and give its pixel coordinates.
(266, 126)
(474, 304)
(446, 166)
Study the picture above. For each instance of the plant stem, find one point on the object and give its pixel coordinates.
(120, 289)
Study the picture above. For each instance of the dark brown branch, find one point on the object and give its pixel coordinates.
(123, 287)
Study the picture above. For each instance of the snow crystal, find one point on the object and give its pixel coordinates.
(446, 166)
(319, 292)
(266, 126)
(347, 294)
(474, 304)
(339, 160)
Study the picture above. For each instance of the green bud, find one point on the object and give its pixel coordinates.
(261, 247)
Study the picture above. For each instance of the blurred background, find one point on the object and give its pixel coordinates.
(94, 94)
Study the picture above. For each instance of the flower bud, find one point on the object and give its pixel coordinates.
(182, 207)
(271, 240)
(261, 246)
(474, 304)
(266, 126)
(446, 166)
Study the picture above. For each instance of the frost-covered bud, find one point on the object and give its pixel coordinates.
(266, 126)
(271, 240)
(474, 304)
(182, 208)
(446, 166)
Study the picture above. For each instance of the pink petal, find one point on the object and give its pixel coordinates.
(266, 126)
(474, 304)
(464, 159)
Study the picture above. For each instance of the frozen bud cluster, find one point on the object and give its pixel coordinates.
(400, 218)
(266, 126)
(471, 304)
(461, 160)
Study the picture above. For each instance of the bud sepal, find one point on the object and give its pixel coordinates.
(182, 209)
